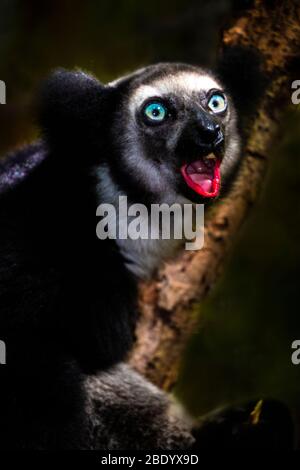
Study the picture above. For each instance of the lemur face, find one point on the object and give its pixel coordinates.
(179, 135)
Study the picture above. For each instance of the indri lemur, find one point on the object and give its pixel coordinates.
(165, 133)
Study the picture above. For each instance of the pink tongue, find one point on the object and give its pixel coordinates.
(203, 180)
(202, 173)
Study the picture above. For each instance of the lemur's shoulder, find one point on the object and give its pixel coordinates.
(18, 165)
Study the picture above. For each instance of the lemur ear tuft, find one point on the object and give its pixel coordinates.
(240, 69)
(70, 104)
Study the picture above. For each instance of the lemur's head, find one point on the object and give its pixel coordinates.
(165, 131)
(174, 132)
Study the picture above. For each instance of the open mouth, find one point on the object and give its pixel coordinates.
(203, 175)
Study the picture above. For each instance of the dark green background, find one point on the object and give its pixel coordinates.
(243, 346)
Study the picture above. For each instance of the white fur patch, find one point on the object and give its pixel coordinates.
(142, 93)
(184, 83)
(187, 82)
(142, 256)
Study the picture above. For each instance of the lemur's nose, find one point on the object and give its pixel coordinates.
(209, 130)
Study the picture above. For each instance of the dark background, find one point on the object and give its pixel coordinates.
(243, 347)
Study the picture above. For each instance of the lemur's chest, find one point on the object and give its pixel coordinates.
(144, 238)
(143, 257)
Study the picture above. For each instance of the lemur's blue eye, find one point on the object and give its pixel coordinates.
(156, 112)
(217, 103)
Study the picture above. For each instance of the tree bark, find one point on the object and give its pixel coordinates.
(170, 304)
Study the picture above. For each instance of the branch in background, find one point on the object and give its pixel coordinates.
(170, 304)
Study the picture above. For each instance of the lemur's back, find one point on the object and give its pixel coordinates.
(60, 290)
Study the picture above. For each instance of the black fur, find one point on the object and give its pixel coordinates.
(67, 304)
(248, 83)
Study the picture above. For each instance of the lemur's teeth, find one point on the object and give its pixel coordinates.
(211, 156)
